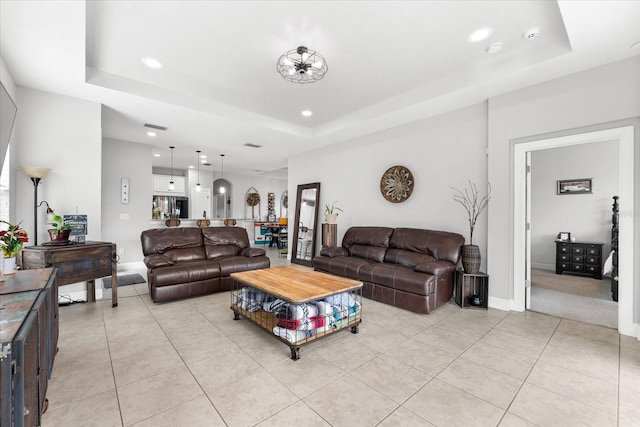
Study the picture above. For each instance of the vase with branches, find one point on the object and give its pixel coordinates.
(474, 204)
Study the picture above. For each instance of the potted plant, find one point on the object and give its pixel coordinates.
(474, 205)
(58, 231)
(11, 242)
(331, 213)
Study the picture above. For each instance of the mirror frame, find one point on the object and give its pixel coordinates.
(296, 225)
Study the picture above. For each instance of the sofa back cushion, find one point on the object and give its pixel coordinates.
(161, 240)
(224, 241)
(408, 258)
(441, 245)
(367, 242)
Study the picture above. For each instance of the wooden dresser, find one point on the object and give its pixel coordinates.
(579, 258)
(28, 345)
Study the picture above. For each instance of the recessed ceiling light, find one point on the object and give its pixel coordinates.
(531, 33)
(636, 45)
(156, 155)
(203, 156)
(494, 48)
(151, 133)
(480, 34)
(152, 63)
(307, 113)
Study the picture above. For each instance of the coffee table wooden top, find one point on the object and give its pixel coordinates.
(295, 285)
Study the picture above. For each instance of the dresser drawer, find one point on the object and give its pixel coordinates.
(579, 250)
(592, 259)
(564, 257)
(593, 250)
(577, 258)
(593, 269)
(563, 248)
(577, 267)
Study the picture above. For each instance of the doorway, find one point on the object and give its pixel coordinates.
(521, 244)
(571, 292)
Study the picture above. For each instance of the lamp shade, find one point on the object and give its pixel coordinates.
(35, 172)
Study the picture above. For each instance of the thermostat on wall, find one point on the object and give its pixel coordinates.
(124, 190)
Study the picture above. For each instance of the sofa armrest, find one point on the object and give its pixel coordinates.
(334, 252)
(157, 260)
(253, 252)
(437, 268)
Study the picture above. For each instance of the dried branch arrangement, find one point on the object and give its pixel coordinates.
(472, 202)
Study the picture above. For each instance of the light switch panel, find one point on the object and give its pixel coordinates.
(124, 189)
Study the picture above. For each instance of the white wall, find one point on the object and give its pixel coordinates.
(566, 105)
(442, 152)
(586, 216)
(64, 134)
(123, 223)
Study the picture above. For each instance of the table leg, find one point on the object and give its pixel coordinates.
(91, 290)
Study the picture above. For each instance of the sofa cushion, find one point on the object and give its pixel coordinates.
(157, 260)
(367, 236)
(241, 263)
(335, 251)
(436, 268)
(341, 266)
(398, 277)
(408, 258)
(186, 272)
(373, 253)
(159, 240)
(220, 251)
(186, 254)
(441, 244)
(225, 236)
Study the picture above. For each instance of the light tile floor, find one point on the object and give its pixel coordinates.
(188, 363)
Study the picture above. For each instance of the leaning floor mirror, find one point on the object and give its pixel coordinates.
(303, 245)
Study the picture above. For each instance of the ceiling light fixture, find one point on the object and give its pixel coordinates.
(307, 113)
(480, 34)
(302, 65)
(171, 185)
(152, 63)
(151, 133)
(198, 183)
(222, 178)
(531, 34)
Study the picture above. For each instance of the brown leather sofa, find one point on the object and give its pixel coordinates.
(189, 261)
(405, 267)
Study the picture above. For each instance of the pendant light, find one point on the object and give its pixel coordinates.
(222, 184)
(171, 185)
(198, 184)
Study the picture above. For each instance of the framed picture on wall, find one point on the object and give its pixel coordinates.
(575, 186)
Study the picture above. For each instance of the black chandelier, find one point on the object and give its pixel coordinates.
(302, 65)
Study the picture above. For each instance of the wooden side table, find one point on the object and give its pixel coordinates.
(468, 284)
(77, 262)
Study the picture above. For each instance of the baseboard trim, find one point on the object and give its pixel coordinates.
(500, 304)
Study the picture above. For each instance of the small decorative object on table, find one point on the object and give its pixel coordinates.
(331, 213)
(474, 205)
(11, 241)
(58, 231)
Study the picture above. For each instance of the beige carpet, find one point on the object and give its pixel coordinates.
(573, 297)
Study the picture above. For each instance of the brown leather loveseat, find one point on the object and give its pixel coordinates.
(405, 267)
(189, 261)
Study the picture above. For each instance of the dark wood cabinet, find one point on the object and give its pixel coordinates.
(28, 343)
(77, 263)
(582, 258)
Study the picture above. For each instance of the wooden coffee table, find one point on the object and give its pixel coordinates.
(296, 286)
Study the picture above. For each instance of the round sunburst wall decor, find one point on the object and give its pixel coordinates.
(396, 184)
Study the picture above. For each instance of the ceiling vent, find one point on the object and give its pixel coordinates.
(248, 144)
(149, 125)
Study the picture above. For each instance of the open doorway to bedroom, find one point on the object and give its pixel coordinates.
(565, 281)
(521, 151)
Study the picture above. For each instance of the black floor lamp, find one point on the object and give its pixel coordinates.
(35, 174)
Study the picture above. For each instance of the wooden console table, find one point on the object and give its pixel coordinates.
(77, 262)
